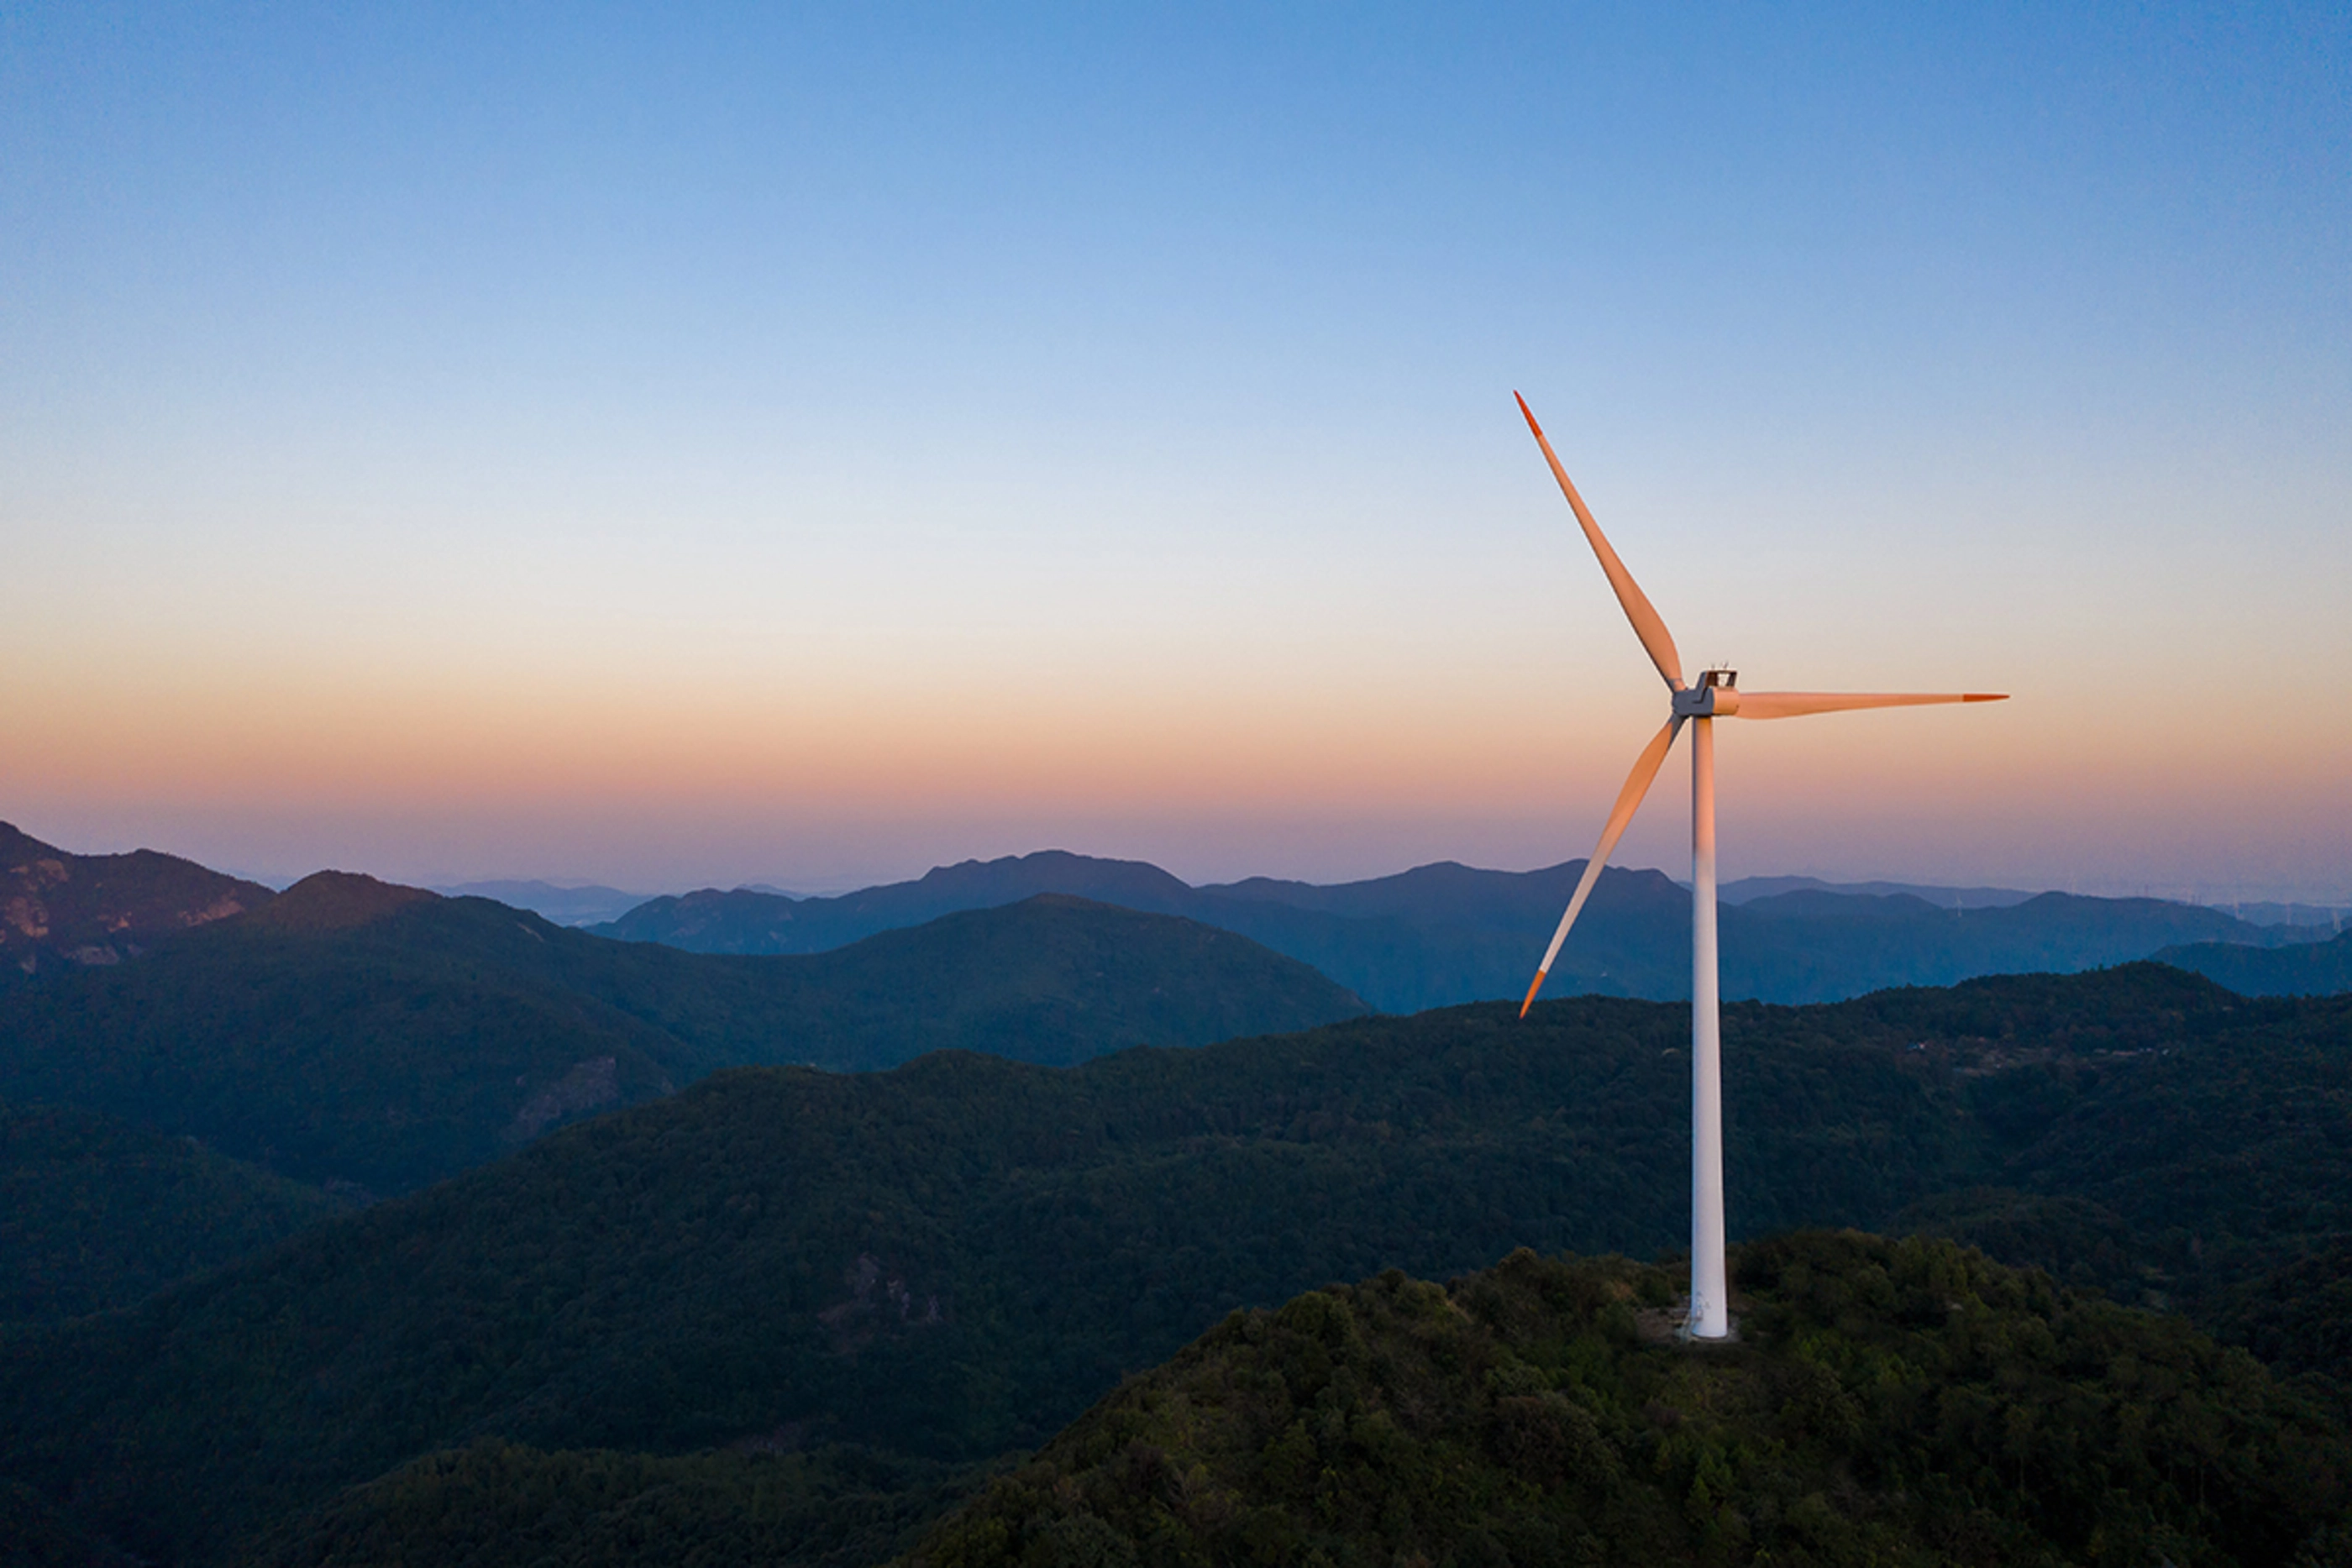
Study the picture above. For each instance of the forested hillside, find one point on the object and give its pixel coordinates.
(384, 1037)
(60, 910)
(494, 1504)
(947, 1261)
(96, 1213)
(2307, 969)
(1886, 1402)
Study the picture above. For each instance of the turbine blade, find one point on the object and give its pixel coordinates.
(1629, 800)
(1796, 704)
(1648, 625)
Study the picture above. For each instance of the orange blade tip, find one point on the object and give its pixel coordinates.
(1533, 987)
(1526, 412)
(1984, 697)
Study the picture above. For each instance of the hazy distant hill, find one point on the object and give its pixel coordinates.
(58, 909)
(1051, 979)
(748, 921)
(1804, 945)
(1360, 935)
(2312, 969)
(2276, 922)
(952, 1259)
(359, 1031)
(1426, 937)
(2315, 920)
(1820, 946)
(96, 1213)
(564, 905)
(1747, 889)
(1442, 933)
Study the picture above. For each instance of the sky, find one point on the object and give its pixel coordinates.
(690, 444)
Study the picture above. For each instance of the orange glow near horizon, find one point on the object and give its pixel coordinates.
(823, 701)
(536, 776)
(1236, 710)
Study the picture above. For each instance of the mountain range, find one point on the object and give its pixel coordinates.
(1445, 934)
(566, 904)
(1432, 937)
(1749, 889)
(2307, 969)
(354, 1031)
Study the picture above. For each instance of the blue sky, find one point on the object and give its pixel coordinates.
(731, 443)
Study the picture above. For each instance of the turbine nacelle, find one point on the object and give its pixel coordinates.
(1716, 696)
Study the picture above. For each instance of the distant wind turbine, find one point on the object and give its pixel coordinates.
(1716, 696)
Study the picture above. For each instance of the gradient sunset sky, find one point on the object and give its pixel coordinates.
(689, 445)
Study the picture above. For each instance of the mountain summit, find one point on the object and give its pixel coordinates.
(336, 901)
(59, 910)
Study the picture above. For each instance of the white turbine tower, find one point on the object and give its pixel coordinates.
(1716, 696)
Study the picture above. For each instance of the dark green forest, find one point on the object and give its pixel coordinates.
(945, 1264)
(1886, 1403)
(97, 1213)
(495, 1502)
(384, 1038)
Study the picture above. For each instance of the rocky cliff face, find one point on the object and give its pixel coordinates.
(58, 909)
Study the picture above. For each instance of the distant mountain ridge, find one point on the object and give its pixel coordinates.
(566, 904)
(1443, 934)
(1749, 889)
(1824, 947)
(2307, 969)
(1363, 934)
(744, 920)
(59, 910)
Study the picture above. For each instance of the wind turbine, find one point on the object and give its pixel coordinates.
(1716, 695)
